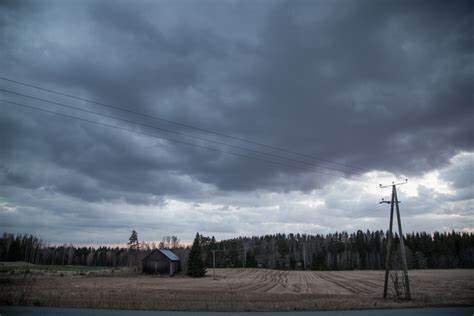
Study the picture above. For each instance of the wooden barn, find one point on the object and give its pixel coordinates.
(161, 261)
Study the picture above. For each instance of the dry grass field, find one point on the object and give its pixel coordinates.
(233, 289)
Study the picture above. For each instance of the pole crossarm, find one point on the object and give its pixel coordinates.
(388, 202)
(393, 183)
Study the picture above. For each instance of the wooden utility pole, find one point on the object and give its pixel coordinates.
(394, 205)
(244, 262)
(304, 255)
(402, 250)
(214, 263)
(388, 255)
(273, 252)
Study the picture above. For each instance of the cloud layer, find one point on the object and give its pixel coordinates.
(382, 87)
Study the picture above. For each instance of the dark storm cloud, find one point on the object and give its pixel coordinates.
(97, 165)
(380, 85)
(377, 86)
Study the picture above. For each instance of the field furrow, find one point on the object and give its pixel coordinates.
(235, 289)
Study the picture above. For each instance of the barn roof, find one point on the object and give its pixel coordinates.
(166, 252)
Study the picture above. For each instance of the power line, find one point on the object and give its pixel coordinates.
(124, 109)
(171, 140)
(168, 130)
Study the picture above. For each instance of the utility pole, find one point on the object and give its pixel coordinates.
(273, 250)
(304, 254)
(214, 263)
(244, 263)
(394, 204)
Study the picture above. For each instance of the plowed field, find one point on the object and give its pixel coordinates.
(238, 289)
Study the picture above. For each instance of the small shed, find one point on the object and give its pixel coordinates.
(161, 261)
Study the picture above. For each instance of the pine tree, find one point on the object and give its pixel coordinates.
(133, 247)
(133, 240)
(196, 266)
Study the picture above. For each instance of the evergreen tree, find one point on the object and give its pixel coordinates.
(318, 262)
(133, 240)
(196, 266)
(133, 247)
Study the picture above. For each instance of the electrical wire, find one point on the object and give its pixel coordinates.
(154, 117)
(171, 140)
(170, 131)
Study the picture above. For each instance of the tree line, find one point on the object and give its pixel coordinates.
(342, 251)
(337, 251)
(29, 248)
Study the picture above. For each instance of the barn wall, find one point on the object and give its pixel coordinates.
(159, 263)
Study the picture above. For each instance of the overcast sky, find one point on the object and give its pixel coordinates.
(382, 89)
